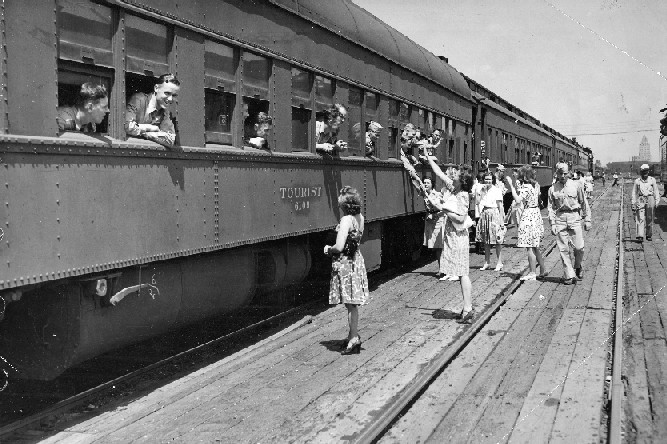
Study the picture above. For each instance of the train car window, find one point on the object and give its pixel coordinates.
(69, 88)
(84, 32)
(356, 137)
(302, 86)
(405, 113)
(394, 125)
(148, 45)
(256, 72)
(325, 90)
(371, 103)
(256, 75)
(220, 66)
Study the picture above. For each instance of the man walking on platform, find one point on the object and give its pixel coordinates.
(645, 197)
(568, 206)
(615, 176)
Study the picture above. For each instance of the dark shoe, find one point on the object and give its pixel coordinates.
(354, 348)
(579, 272)
(466, 318)
(543, 276)
(640, 239)
(569, 281)
(649, 238)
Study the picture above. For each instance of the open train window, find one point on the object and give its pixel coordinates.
(220, 67)
(69, 98)
(256, 72)
(302, 87)
(356, 134)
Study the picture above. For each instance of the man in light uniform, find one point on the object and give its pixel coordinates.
(645, 197)
(568, 206)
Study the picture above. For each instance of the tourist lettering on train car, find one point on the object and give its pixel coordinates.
(372, 133)
(568, 207)
(645, 198)
(256, 131)
(90, 110)
(327, 124)
(147, 114)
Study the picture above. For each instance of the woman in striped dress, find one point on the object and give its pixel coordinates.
(491, 229)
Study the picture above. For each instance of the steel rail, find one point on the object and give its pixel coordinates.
(385, 419)
(616, 389)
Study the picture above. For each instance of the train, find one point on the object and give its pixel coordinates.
(108, 239)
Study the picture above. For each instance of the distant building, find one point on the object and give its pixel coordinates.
(644, 150)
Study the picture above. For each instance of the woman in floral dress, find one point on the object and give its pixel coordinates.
(349, 283)
(531, 227)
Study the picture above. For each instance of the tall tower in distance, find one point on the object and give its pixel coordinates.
(644, 150)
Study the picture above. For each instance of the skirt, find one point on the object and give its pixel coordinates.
(349, 282)
(490, 229)
(531, 228)
(455, 256)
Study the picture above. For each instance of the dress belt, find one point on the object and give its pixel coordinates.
(532, 207)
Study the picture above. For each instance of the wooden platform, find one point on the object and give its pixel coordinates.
(644, 334)
(535, 372)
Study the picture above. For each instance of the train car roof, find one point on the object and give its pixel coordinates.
(354, 23)
(486, 101)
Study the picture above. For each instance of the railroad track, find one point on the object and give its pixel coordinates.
(403, 401)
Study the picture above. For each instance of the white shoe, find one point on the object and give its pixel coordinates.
(444, 278)
(485, 266)
(499, 267)
(529, 277)
(453, 278)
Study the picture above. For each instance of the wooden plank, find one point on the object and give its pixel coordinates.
(541, 403)
(579, 412)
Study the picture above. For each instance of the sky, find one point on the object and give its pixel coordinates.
(592, 69)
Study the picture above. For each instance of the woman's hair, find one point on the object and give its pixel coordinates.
(526, 174)
(480, 177)
(465, 179)
(493, 177)
(168, 78)
(349, 200)
(427, 178)
(91, 91)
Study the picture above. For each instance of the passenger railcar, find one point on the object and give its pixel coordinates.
(183, 234)
(109, 239)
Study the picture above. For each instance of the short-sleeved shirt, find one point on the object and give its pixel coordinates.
(490, 197)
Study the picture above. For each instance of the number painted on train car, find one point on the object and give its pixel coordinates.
(300, 197)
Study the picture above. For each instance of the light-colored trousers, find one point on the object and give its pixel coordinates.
(569, 229)
(644, 218)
